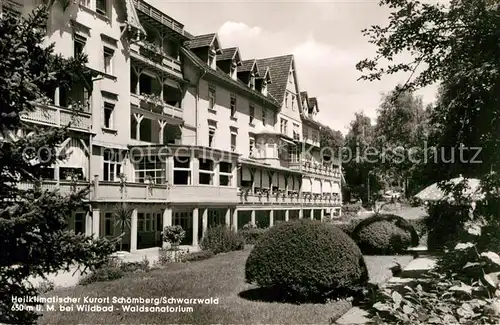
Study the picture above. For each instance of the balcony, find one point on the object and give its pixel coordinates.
(310, 167)
(145, 10)
(60, 117)
(65, 187)
(147, 55)
(203, 194)
(156, 110)
(264, 197)
(115, 191)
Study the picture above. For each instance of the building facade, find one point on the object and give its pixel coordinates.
(183, 130)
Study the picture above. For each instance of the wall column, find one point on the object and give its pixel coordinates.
(235, 220)
(167, 221)
(322, 214)
(96, 222)
(287, 215)
(301, 213)
(195, 227)
(133, 232)
(311, 214)
(252, 217)
(204, 221)
(271, 218)
(228, 217)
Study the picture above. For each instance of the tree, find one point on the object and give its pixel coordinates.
(330, 138)
(34, 239)
(401, 137)
(123, 219)
(359, 158)
(458, 45)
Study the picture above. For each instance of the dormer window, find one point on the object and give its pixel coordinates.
(211, 57)
(232, 70)
(264, 88)
(293, 102)
(251, 84)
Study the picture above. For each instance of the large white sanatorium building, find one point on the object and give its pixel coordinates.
(185, 131)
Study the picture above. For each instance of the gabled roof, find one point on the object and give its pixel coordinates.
(303, 95)
(222, 76)
(205, 40)
(231, 53)
(264, 72)
(313, 102)
(248, 65)
(279, 67)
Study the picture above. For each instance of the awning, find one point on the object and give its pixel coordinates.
(327, 187)
(336, 188)
(109, 145)
(132, 18)
(281, 181)
(288, 141)
(316, 186)
(306, 185)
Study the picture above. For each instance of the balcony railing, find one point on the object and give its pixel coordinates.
(144, 104)
(314, 168)
(156, 58)
(156, 14)
(59, 117)
(266, 197)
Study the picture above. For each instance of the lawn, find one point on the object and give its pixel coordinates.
(219, 277)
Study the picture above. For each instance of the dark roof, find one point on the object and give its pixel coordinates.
(247, 65)
(188, 35)
(264, 72)
(313, 102)
(221, 75)
(201, 41)
(228, 54)
(279, 67)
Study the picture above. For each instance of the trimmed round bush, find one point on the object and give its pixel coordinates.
(306, 260)
(221, 239)
(251, 236)
(384, 234)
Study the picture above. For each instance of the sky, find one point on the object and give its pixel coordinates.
(324, 37)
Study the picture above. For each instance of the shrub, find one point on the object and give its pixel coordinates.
(221, 239)
(170, 255)
(384, 234)
(45, 286)
(306, 260)
(351, 210)
(173, 235)
(445, 223)
(131, 267)
(251, 236)
(110, 271)
(198, 256)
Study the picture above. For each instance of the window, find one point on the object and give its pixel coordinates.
(233, 106)
(141, 220)
(296, 134)
(206, 171)
(78, 45)
(232, 70)
(211, 97)
(109, 224)
(286, 100)
(283, 152)
(225, 173)
(252, 113)
(68, 173)
(112, 165)
(233, 141)
(211, 59)
(85, 3)
(102, 7)
(108, 60)
(47, 173)
(264, 116)
(293, 103)
(211, 136)
(251, 83)
(108, 115)
(251, 147)
(294, 154)
(150, 168)
(182, 170)
(79, 223)
(283, 126)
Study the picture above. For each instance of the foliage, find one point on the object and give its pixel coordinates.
(331, 139)
(170, 255)
(251, 233)
(173, 235)
(221, 239)
(45, 286)
(198, 256)
(115, 269)
(33, 222)
(351, 210)
(282, 261)
(382, 238)
(123, 219)
(445, 223)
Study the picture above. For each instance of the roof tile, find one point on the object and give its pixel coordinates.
(279, 67)
(227, 54)
(200, 41)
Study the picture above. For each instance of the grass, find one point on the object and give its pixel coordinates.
(219, 277)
